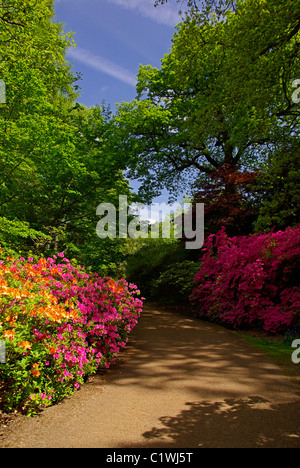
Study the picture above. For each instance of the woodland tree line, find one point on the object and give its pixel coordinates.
(219, 119)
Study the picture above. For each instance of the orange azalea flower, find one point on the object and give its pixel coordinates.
(9, 334)
(42, 261)
(115, 287)
(12, 321)
(25, 345)
(52, 350)
(112, 285)
(5, 291)
(49, 296)
(3, 283)
(54, 271)
(35, 371)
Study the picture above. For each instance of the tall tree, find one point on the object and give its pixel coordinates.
(222, 98)
(55, 163)
(37, 81)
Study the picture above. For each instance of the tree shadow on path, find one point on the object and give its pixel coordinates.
(234, 396)
(169, 351)
(233, 423)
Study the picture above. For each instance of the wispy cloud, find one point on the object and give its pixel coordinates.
(103, 65)
(166, 14)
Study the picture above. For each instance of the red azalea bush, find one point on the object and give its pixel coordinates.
(59, 325)
(250, 281)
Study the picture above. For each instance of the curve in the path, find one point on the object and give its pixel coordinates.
(182, 383)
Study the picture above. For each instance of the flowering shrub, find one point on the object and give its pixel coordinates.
(59, 325)
(250, 281)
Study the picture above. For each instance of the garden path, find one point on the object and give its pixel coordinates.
(181, 383)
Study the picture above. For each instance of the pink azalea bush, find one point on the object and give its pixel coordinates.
(59, 325)
(247, 282)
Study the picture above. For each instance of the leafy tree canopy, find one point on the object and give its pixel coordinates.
(223, 96)
(277, 189)
(56, 165)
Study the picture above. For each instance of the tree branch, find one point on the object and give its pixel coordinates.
(13, 23)
(293, 33)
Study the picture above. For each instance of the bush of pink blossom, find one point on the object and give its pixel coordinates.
(250, 281)
(60, 325)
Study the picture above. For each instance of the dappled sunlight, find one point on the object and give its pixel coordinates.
(251, 422)
(172, 354)
(175, 387)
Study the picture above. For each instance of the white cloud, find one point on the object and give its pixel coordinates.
(103, 65)
(166, 14)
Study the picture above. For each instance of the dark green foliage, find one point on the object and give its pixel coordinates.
(57, 157)
(155, 267)
(219, 112)
(279, 190)
(176, 283)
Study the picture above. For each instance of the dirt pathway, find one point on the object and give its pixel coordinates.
(182, 383)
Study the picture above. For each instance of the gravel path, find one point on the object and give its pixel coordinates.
(182, 383)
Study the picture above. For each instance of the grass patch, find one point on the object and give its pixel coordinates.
(279, 351)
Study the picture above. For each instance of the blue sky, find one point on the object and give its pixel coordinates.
(113, 38)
